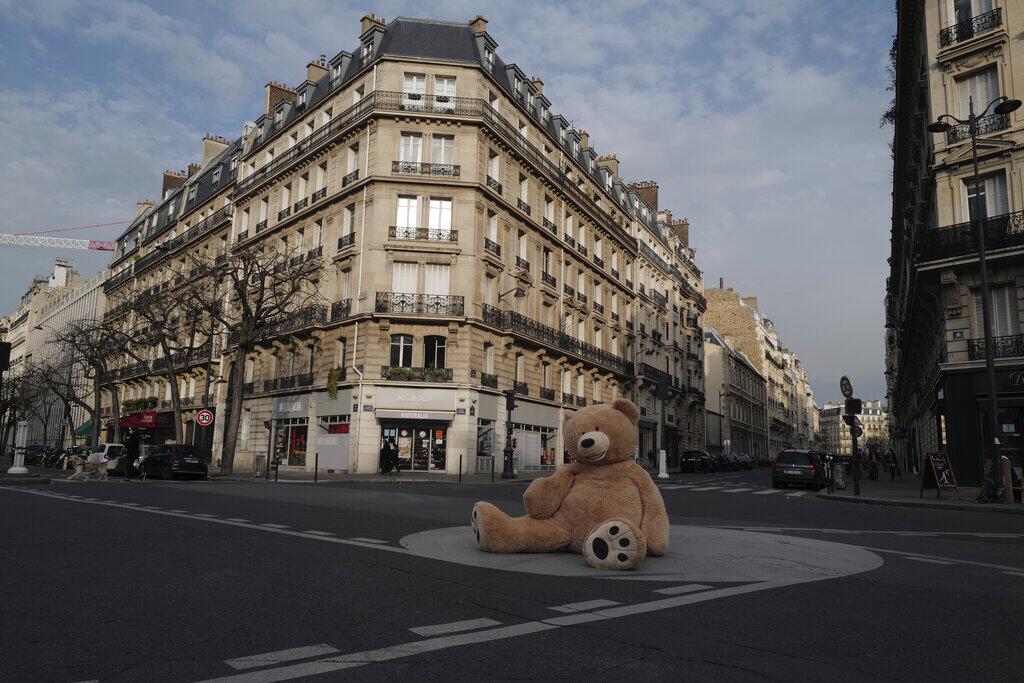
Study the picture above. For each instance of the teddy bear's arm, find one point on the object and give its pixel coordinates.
(545, 494)
(654, 520)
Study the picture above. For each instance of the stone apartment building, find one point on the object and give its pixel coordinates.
(835, 433)
(949, 53)
(470, 241)
(789, 397)
(736, 411)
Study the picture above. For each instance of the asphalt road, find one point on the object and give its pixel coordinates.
(190, 581)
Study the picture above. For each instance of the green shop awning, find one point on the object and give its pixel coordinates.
(85, 429)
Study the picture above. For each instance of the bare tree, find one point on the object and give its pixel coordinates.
(12, 398)
(256, 292)
(39, 401)
(63, 376)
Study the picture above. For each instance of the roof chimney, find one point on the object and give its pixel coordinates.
(212, 146)
(478, 24)
(721, 283)
(143, 206)
(172, 181)
(277, 93)
(584, 139)
(370, 21)
(648, 191)
(317, 70)
(193, 169)
(611, 162)
(750, 302)
(681, 228)
(537, 84)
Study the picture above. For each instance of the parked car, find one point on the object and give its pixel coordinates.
(727, 462)
(103, 452)
(696, 461)
(172, 461)
(801, 468)
(744, 461)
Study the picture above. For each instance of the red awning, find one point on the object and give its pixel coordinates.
(143, 420)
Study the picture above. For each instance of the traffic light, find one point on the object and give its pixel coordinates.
(853, 406)
(510, 400)
(850, 420)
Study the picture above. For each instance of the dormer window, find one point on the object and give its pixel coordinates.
(234, 163)
(489, 58)
(367, 50)
(336, 72)
(192, 194)
(216, 175)
(277, 116)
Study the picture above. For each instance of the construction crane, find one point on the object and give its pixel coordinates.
(55, 242)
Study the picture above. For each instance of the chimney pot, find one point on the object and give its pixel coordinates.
(369, 22)
(538, 84)
(478, 24)
(277, 93)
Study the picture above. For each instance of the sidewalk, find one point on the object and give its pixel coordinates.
(304, 477)
(906, 492)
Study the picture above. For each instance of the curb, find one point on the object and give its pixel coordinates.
(23, 480)
(1014, 509)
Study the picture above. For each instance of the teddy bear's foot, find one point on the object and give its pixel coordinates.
(483, 513)
(615, 544)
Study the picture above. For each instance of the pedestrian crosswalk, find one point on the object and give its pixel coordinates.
(744, 487)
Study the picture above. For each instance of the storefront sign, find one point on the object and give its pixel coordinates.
(291, 406)
(434, 415)
(460, 411)
(405, 398)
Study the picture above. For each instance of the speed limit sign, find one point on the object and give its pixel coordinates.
(204, 418)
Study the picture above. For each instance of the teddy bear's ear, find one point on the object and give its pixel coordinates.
(627, 408)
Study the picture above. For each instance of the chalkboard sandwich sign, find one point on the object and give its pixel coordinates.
(938, 475)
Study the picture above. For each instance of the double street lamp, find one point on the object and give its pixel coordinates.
(1002, 106)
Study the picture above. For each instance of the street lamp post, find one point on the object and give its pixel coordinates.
(1003, 106)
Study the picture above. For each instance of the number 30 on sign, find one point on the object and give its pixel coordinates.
(204, 418)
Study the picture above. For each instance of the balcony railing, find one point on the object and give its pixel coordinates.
(397, 232)
(318, 195)
(961, 239)
(521, 388)
(659, 298)
(598, 308)
(615, 273)
(523, 206)
(567, 399)
(261, 226)
(284, 213)
(489, 380)
(492, 246)
(569, 239)
(350, 178)
(304, 379)
(302, 318)
(286, 382)
(416, 374)
(569, 291)
(598, 261)
(986, 124)
(346, 241)
(301, 204)
(493, 184)
(965, 30)
(522, 263)
(581, 401)
(547, 394)
(581, 297)
(548, 279)
(271, 384)
(341, 309)
(615, 317)
(550, 226)
(421, 168)
(423, 304)
(1010, 346)
(581, 248)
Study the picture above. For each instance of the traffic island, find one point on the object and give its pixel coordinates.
(23, 480)
(964, 504)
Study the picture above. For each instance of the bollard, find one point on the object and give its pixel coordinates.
(460, 467)
(662, 464)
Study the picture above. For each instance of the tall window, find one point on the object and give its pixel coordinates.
(303, 185)
(401, 350)
(433, 351)
(982, 85)
(442, 149)
(411, 148)
(1003, 311)
(414, 87)
(989, 198)
(353, 158)
(264, 206)
(965, 10)
(321, 176)
(404, 277)
(444, 92)
(348, 222)
(408, 218)
(493, 166)
(437, 278)
(492, 226)
(440, 216)
(488, 358)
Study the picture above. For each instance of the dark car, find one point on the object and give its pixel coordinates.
(696, 461)
(727, 462)
(801, 468)
(744, 461)
(172, 461)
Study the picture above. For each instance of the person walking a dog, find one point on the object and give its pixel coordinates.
(131, 452)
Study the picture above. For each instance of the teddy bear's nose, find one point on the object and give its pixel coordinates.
(586, 443)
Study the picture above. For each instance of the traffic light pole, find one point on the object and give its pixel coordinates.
(510, 404)
(856, 462)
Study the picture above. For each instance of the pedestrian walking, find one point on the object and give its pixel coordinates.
(131, 452)
(389, 457)
(892, 464)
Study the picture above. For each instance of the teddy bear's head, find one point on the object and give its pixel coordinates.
(602, 434)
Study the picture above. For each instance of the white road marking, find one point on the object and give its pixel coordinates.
(274, 526)
(708, 488)
(927, 559)
(868, 531)
(671, 488)
(767, 492)
(951, 560)
(236, 519)
(281, 656)
(318, 533)
(796, 494)
(174, 511)
(1014, 573)
(677, 590)
(736, 490)
(204, 514)
(839, 531)
(401, 650)
(368, 540)
(584, 606)
(454, 627)
(991, 535)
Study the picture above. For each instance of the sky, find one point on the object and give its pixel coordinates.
(758, 118)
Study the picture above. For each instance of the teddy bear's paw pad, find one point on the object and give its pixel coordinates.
(613, 545)
(478, 527)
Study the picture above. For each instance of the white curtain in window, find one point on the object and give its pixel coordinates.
(414, 86)
(403, 277)
(411, 148)
(1004, 316)
(408, 213)
(444, 92)
(440, 215)
(442, 149)
(438, 278)
(983, 86)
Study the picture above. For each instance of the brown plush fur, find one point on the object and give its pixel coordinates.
(602, 484)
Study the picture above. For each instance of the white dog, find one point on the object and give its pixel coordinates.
(85, 469)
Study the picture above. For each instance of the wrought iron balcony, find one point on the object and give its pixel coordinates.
(1010, 346)
(318, 195)
(301, 204)
(547, 394)
(346, 241)
(550, 226)
(629, 283)
(581, 401)
(569, 239)
(492, 246)
(302, 318)
(284, 213)
(422, 304)
(350, 178)
(582, 249)
(629, 324)
(523, 206)
(402, 374)
(965, 30)
(271, 384)
(548, 279)
(615, 317)
(304, 379)
(286, 382)
(567, 399)
(242, 236)
(598, 261)
(522, 263)
(569, 291)
(421, 168)
(261, 226)
(521, 388)
(598, 308)
(397, 232)
(615, 273)
(656, 337)
(248, 388)
(295, 261)
(341, 309)
(493, 184)
(581, 297)
(314, 254)
(659, 298)
(489, 380)
(986, 124)
(961, 239)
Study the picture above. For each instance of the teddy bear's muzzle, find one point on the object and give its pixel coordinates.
(592, 446)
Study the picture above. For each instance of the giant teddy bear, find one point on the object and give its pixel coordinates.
(602, 504)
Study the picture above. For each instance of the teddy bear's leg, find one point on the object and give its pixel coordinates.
(496, 532)
(615, 544)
